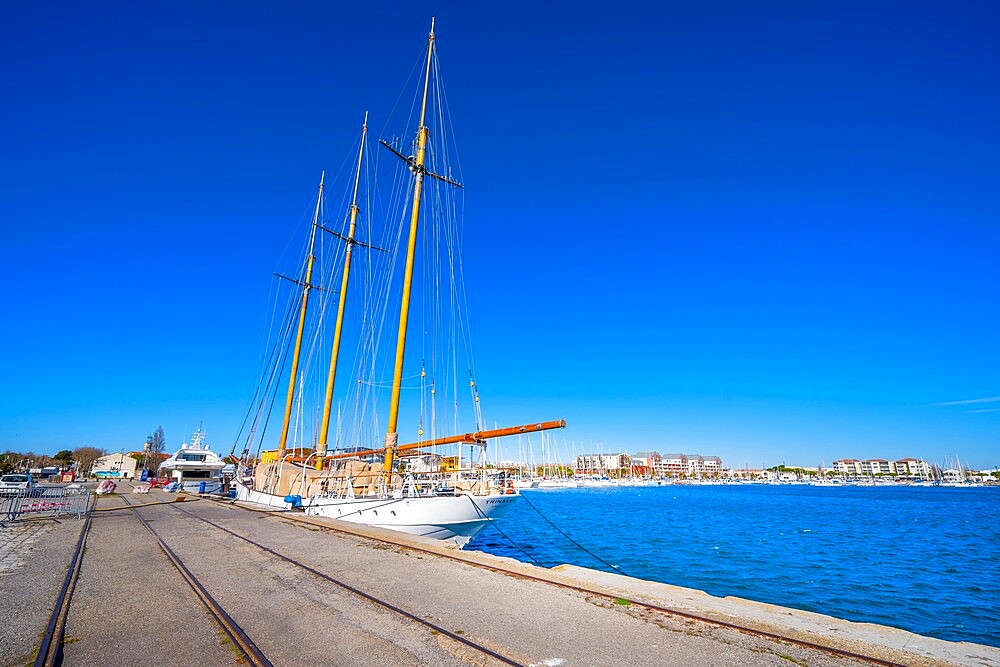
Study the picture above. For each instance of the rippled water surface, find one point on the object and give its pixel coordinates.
(923, 559)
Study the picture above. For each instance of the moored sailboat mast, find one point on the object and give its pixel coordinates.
(306, 286)
(338, 329)
(391, 436)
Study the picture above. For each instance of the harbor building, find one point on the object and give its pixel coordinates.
(649, 462)
(675, 464)
(871, 467)
(914, 467)
(692, 465)
(877, 467)
(847, 467)
(646, 459)
(116, 465)
(602, 464)
(709, 465)
(421, 462)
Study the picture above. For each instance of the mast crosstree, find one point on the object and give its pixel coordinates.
(306, 286)
(418, 169)
(335, 351)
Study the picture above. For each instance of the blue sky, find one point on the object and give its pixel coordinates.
(766, 231)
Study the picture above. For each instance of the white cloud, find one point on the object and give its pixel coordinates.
(994, 399)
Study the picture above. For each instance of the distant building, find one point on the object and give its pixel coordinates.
(878, 467)
(709, 465)
(421, 461)
(847, 467)
(913, 467)
(646, 459)
(115, 465)
(646, 463)
(602, 464)
(675, 465)
(908, 467)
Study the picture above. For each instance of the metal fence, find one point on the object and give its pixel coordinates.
(45, 502)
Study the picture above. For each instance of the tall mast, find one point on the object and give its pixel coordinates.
(334, 353)
(391, 436)
(306, 286)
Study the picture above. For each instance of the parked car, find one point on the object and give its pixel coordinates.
(16, 484)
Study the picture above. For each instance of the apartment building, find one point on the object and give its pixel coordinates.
(692, 465)
(588, 464)
(710, 465)
(871, 467)
(878, 467)
(847, 467)
(675, 464)
(914, 467)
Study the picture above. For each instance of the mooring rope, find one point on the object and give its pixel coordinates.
(574, 542)
(508, 537)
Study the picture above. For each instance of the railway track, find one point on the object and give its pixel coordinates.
(246, 646)
(50, 649)
(251, 654)
(630, 602)
(468, 643)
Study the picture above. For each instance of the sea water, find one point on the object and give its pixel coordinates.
(922, 559)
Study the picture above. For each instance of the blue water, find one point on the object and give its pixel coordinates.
(923, 559)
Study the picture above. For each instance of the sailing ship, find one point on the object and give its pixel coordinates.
(351, 476)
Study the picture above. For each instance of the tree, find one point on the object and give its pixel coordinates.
(64, 456)
(157, 442)
(85, 457)
(10, 462)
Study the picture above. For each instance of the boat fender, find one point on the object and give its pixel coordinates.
(294, 501)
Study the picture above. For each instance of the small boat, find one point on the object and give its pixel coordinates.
(359, 472)
(194, 467)
(105, 487)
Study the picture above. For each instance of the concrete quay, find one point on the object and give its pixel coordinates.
(131, 607)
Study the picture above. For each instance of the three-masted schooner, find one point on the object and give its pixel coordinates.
(368, 486)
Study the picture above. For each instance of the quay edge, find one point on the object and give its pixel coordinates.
(877, 642)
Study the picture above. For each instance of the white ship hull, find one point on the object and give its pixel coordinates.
(213, 485)
(454, 518)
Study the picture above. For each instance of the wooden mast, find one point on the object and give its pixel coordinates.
(306, 286)
(334, 353)
(391, 436)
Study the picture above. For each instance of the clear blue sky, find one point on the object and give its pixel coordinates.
(767, 231)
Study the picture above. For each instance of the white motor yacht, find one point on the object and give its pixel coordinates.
(194, 467)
